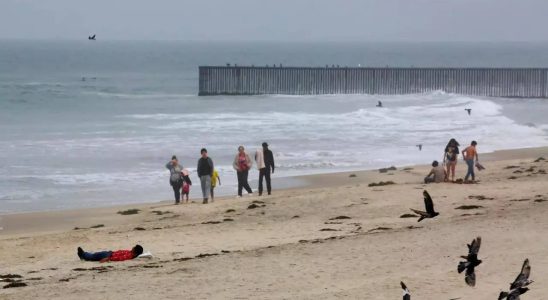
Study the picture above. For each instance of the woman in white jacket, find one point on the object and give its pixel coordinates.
(242, 164)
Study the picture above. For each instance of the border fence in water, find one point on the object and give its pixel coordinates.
(251, 80)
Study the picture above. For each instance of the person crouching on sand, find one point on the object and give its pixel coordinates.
(437, 174)
(104, 256)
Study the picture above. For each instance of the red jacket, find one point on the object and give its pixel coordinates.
(121, 255)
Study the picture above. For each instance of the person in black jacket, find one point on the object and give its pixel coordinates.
(175, 178)
(265, 164)
(205, 170)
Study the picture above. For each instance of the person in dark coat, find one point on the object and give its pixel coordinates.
(175, 178)
(265, 164)
(205, 170)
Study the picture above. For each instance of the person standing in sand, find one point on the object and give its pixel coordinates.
(469, 154)
(205, 170)
(186, 185)
(175, 179)
(450, 158)
(242, 163)
(265, 165)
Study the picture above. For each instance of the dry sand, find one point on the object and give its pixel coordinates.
(288, 248)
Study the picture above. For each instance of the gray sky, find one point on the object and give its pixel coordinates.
(285, 20)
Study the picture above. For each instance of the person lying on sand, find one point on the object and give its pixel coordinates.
(104, 256)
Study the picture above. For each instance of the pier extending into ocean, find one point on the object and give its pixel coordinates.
(251, 80)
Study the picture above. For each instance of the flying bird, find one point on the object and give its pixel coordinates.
(420, 147)
(519, 286)
(429, 205)
(469, 110)
(471, 262)
(406, 294)
(514, 294)
(91, 38)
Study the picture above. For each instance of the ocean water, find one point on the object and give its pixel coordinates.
(86, 124)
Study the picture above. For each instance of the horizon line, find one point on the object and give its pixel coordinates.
(279, 41)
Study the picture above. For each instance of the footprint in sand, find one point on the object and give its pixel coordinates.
(212, 222)
(329, 229)
(469, 207)
(379, 229)
(408, 216)
(254, 205)
(480, 197)
(476, 214)
(340, 218)
(15, 285)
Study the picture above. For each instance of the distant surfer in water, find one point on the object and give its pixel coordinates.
(379, 104)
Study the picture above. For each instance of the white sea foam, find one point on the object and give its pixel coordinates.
(139, 95)
(123, 157)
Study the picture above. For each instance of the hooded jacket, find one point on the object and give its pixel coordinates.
(236, 164)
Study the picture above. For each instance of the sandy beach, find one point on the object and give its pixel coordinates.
(336, 237)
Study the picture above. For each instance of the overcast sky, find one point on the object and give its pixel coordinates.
(278, 20)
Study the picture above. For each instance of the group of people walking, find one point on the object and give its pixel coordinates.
(209, 177)
(265, 164)
(451, 153)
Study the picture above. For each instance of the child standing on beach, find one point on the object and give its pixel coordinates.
(186, 185)
(186, 191)
(214, 178)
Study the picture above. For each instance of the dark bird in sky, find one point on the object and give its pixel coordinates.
(91, 38)
(519, 286)
(406, 294)
(514, 294)
(379, 104)
(469, 110)
(420, 147)
(429, 205)
(471, 262)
